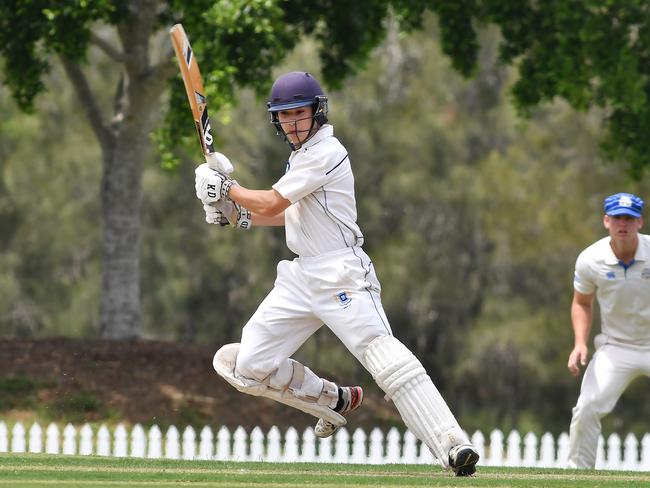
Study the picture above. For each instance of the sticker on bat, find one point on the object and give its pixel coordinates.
(207, 135)
(200, 99)
(187, 53)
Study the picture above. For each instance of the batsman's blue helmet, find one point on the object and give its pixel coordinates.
(297, 89)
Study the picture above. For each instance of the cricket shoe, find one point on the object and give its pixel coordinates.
(350, 398)
(463, 459)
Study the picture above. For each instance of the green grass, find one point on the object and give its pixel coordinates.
(40, 470)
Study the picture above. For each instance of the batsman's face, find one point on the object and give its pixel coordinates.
(623, 227)
(296, 124)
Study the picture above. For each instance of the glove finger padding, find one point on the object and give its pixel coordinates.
(237, 215)
(214, 216)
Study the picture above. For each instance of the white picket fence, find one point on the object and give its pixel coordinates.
(361, 448)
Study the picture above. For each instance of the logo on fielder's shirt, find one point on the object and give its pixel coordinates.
(611, 275)
(645, 273)
(344, 298)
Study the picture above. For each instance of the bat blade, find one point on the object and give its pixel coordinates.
(196, 96)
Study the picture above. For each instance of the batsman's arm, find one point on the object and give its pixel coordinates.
(263, 221)
(262, 203)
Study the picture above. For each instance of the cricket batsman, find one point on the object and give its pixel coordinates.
(332, 281)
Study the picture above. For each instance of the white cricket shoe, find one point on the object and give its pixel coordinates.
(350, 398)
(463, 459)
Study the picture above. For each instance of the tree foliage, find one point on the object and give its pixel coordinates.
(473, 218)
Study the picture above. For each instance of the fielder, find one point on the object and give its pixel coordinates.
(615, 270)
(331, 281)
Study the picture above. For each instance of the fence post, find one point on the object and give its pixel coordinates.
(342, 449)
(121, 448)
(359, 454)
(547, 451)
(223, 444)
(206, 448)
(86, 440)
(496, 448)
(155, 442)
(562, 450)
(18, 438)
(631, 453)
(274, 447)
(240, 445)
(103, 441)
(410, 454)
(4, 437)
(530, 450)
(376, 454)
(645, 452)
(393, 446)
(52, 439)
(308, 446)
(138, 442)
(257, 445)
(614, 452)
(291, 441)
(513, 454)
(69, 440)
(325, 450)
(189, 443)
(600, 453)
(35, 438)
(172, 448)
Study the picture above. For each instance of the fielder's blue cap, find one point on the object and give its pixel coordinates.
(623, 204)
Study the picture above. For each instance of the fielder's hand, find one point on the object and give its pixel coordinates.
(211, 185)
(577, 358)
(226, 212)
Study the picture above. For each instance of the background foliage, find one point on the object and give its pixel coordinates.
(472, 215)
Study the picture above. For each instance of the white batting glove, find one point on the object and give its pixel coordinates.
(220, 162)
(214, 216)
(233, 213)
(210, 185)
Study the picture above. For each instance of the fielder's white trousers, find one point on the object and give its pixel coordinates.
(612, 368)
(339, 289)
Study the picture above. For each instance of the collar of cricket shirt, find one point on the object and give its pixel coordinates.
(324, 132)
(641, 254)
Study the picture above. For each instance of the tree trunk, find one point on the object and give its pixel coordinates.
(125, 143)
(121, 196)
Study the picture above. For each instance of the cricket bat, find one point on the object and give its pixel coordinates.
(196, 96)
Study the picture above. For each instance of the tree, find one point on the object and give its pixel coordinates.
(239, 42)
(572, 50)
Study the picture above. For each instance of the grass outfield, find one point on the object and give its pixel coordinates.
(40, 470)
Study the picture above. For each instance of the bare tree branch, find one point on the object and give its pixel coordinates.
(108, 49)
(159, 73)
(88, 102)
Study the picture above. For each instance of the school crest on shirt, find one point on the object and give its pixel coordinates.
(610, 275)
(645, 273)
(343, 298)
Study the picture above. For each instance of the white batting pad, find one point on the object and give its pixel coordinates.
(404, 380)
(224, 363)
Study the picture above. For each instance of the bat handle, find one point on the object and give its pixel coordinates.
(219, 162)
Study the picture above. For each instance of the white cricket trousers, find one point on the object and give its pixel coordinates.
(339, 289)
(610, 371)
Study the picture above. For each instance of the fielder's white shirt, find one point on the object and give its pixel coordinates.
(320, 185)
(623, 294)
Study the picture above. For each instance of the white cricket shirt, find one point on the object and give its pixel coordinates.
(320, 185)
(623, 294)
